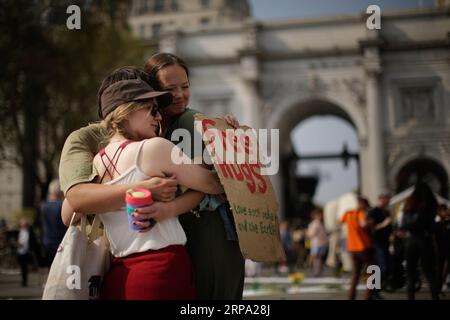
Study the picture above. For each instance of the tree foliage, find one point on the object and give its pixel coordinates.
(49, 78)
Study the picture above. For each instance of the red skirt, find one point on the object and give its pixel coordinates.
(164, 274)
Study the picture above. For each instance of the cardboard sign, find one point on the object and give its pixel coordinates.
(251, 196)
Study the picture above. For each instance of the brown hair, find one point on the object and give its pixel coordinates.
(317, 212)
(422, 199)
(162, 60)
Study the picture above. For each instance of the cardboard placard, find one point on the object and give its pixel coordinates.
(251, 195)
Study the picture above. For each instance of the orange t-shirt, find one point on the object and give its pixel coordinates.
(358, 239)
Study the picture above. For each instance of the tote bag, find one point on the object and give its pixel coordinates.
(80, 263)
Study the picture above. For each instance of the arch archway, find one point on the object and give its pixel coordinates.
(423, 170)
(286, 118)
(293, 109)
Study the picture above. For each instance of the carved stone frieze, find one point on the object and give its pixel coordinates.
(356, 88)
(394, 154)
(416, 103)
(276, 88)
(314, 84)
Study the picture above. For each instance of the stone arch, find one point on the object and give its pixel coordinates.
(413, 155)
(292, 109)
(297, 107)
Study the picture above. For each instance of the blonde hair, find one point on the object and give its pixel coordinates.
(115, 122)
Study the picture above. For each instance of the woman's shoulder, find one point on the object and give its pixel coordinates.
(157, 147)
(157, 142)
(155, 155)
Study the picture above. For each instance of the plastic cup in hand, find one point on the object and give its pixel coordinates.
(136, 198)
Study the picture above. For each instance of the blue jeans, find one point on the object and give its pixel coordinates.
(381, 258)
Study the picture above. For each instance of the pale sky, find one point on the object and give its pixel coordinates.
(309, 136)
(282, 9)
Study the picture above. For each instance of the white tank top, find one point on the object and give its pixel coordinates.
(124, 241)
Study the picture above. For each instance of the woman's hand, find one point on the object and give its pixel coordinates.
(231, 120)
(162, 189)
(158, 211)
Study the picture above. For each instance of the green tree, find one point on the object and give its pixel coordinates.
(50, 76)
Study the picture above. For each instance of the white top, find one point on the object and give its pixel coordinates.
(317, 233)
(124, 241)
(24, 236)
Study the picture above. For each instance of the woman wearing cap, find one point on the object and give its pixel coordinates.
(77, 173)
(219, 266)
(153, 264)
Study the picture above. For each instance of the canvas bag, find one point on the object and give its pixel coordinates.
(80, 263)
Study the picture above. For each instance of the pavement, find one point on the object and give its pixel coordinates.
(11, 289)
(266, 287)
(325, 288)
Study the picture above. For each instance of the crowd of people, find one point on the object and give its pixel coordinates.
(406, 248)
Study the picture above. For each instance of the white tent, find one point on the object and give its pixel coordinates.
(396, 203)
(400, 197)
(334, 209)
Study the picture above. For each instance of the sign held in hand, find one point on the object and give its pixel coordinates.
(250, 193)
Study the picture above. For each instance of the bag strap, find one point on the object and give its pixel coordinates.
(138, 153)
(73, 217)
(95, 229)
(83, 221)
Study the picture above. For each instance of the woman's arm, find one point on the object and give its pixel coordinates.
(67, 213)
(100, 198)
(159, 211)
(162, 156)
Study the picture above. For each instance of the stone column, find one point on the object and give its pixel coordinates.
(250, 76)
(251, 98)
(375, 173)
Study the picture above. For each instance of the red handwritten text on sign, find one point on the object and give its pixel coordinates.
(236, 171)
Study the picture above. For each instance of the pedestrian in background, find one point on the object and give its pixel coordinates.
(319, 241)
(53, 229)
(418, 220)
(443, 245)
(379, 219)
(359, 244)
(26, 243)
(288, 246)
